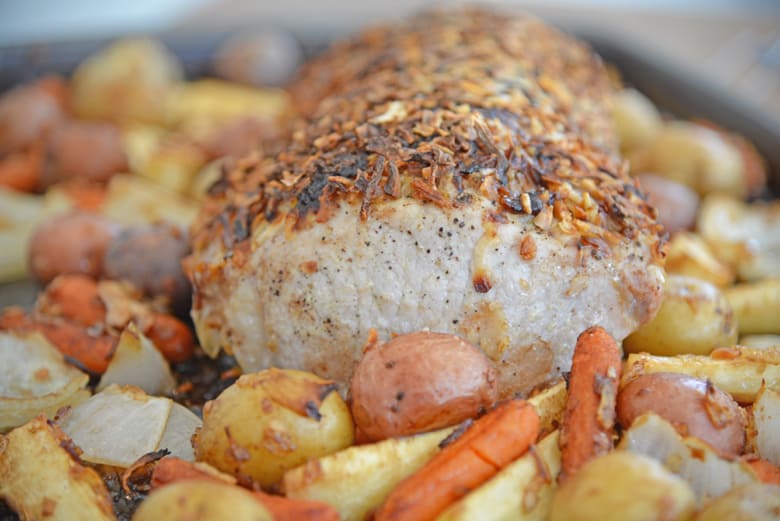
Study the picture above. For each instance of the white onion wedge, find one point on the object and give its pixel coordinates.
(35, 379)
(118, 425)
(690, 458)
(177, 437)
(137, 362)
(766, 418)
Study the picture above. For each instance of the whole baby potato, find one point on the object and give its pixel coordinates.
(419, 382)
(86, 151)
(201, 500)
(127, 81)
(694, 318)
(754, 502)
(677, 204)
(694, 407)
(623, 486)
(72, 243)
(271, 421)
(161, 247)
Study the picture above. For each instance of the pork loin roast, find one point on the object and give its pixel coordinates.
(458, 172)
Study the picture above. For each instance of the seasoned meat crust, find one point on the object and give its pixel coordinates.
(457, 172)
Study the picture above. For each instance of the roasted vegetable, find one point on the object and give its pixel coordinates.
(420, 382)
(271, 421)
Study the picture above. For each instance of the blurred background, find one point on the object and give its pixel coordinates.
(734, 43)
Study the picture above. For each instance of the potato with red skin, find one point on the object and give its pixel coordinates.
(694, 407)
(150, 258)
(420, 382)
(677, 204)
(86, 150)
(72, 243)
(28, 113)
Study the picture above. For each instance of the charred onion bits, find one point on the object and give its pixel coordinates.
(458, 173)
(419, 382)
(694, 407)
(271, 421)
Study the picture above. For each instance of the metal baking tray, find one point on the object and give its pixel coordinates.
(673, 89)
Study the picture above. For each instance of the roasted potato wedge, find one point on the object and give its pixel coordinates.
(40, 479)
(743, 235)
(691, 256)
(756, 306)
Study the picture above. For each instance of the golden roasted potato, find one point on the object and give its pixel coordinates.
(623, 486)
(201, 500)
(690, 255)
(133, 200)
(272, 421)
(756, 305)
(72, 243)
(694, 317)
(698, 157)
(125, 82)
(19, 215)
(202, 106)
(754, 502)
(694, 407)
(743, 235)
(419, 382)
(40, 479)
(637, 120)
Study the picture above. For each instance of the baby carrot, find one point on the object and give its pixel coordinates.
(589, 418)
(93, 352)
(492, 442)
(170, 470)
(764, 470)
(21, 170)
(171, 336)
(75, 298)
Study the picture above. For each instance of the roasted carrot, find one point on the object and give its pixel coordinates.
(589, 418)
(764, 470)
(170, 470)
(93, 352)
(492, 442)
(171, 336)
(21, 170)
(85, 196)
(75, 298)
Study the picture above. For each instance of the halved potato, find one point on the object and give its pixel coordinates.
(737, 371)
(756, 305)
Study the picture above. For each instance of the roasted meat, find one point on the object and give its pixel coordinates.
(458, 172)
